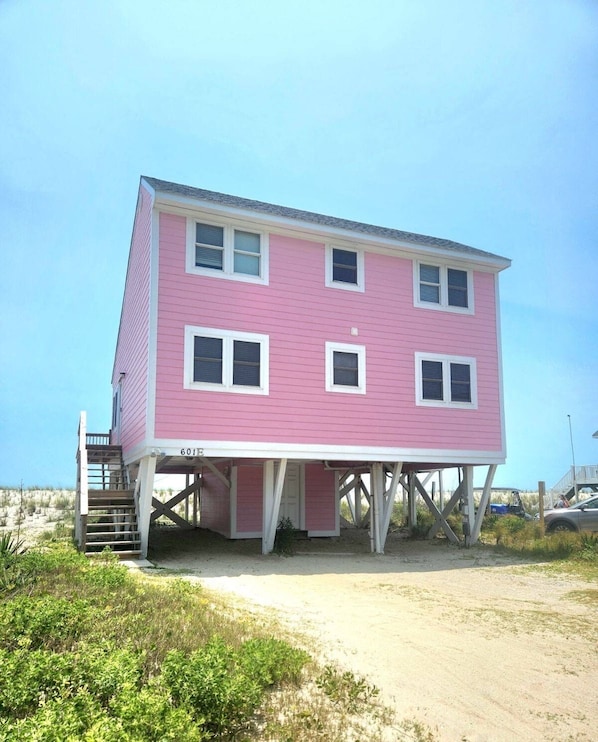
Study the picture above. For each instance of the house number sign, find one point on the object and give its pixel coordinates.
(191, 451)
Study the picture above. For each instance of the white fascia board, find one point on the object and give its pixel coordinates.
(501, 391)
(143, 182)
(316, 452)
(152, 341)
(152, 193)
(187, 206)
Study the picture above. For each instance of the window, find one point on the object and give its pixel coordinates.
(225, 251)
(344, 269)
(445, 381)
(225, 361)
(441, 287)
(345, 368)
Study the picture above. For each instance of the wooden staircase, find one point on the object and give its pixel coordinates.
(106, 514)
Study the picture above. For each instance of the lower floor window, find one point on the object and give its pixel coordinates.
(345, 368)
(222, 360)
(445, 380)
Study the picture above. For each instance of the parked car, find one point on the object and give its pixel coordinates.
(582, 516)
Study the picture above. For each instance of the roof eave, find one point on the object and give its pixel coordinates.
(472, 255)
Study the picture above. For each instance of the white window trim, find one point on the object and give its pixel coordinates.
(443, 305)
(228, 337)
(227, 271)
(345, 348)
(330, 283)
(446, 361)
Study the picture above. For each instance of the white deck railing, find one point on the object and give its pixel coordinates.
(81, 497)
(580, 475)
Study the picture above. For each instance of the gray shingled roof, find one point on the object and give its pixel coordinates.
(163, 186)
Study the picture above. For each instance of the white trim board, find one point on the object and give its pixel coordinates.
(316, 452)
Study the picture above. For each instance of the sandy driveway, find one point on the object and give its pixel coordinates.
(476, 646)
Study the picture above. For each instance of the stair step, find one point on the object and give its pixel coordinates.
(98, 484)
(128, 554)
(98, 518)
(111, 500)
(113, 544)
(120, 497)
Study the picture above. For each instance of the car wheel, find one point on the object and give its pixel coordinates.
(561, 526)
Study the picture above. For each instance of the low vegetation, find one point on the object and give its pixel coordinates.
(90, 651)
(567, 551)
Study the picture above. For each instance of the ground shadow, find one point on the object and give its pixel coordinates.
(203, 552)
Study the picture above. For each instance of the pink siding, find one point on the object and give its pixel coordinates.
(320, 494)
(132, 344)
(298, 409)
(215, 504)
(250, 491)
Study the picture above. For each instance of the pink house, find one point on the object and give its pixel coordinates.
(278, 356)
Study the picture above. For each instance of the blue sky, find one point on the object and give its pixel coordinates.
(470, 120)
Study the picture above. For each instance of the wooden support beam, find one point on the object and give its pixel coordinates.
(163, 507)
(351, 487)
(469, 505)
(389, 497)
(484, 502)
(439, 515)
(145, 489)
(412, 519)
(427, 478)
(377, 507)
(271, 502)
(214, 469)
(351, 504)
(196, 501)
(357, 499)
(446, 511)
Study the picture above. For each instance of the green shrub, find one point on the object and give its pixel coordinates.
(105, 575)
(425, 521)
(149, 715)
(285, 539)
(271, 660)
(221, 694)
(29, 678)
(64, 719)
(46, 621)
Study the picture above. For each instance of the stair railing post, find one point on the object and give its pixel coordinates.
(82, 485)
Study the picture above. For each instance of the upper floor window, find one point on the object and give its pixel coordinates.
(448, 381)
(344, 268)
(345, 368)
(226, 361)
(442, 287)
(226, 251)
